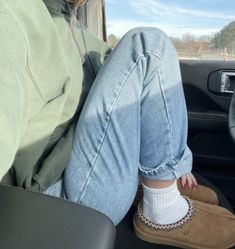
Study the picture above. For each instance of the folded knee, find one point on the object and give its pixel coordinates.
(149, 40)
(147, 31)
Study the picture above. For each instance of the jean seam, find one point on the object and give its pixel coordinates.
(169, 125)
(164, 97)
(165, 104)
(155, 54)
(148, 52)
(162, 91)
(170, 138)
(167, 114)
(107, 124)
(109, 116)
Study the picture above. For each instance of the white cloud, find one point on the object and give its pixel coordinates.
(206, 14)
(154, 9)
(119, 28)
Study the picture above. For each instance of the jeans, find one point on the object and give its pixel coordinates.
(134, 121)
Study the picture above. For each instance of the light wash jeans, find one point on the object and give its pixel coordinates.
(134, 121)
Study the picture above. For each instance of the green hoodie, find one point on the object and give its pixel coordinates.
(43, 85)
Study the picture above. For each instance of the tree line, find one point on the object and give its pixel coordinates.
(223, 41)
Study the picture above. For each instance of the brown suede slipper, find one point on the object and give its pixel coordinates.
(204, 227)
(200, 193)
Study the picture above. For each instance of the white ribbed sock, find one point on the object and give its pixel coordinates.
(164, 206)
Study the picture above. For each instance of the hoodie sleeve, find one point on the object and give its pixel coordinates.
(13, 95)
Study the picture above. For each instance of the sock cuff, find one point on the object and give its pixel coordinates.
(161, 190)
(164, 206)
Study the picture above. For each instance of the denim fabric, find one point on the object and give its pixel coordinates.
(134, 121)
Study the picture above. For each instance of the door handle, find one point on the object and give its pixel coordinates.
(227, 82)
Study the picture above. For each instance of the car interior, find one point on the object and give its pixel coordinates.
(208, 87)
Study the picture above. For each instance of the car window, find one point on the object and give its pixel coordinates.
(92, 17)
(199, 29)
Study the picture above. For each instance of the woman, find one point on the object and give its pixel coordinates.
(133, 122)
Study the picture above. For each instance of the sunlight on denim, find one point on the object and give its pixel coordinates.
(134, 121)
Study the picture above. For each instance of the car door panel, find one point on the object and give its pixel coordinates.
(209, 138)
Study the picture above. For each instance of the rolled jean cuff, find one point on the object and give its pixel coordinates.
(166, 172)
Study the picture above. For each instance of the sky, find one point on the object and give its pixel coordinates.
(175, 17)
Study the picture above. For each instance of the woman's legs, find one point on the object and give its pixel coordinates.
(134, 119)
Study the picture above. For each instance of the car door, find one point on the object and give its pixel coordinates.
(208, 106)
